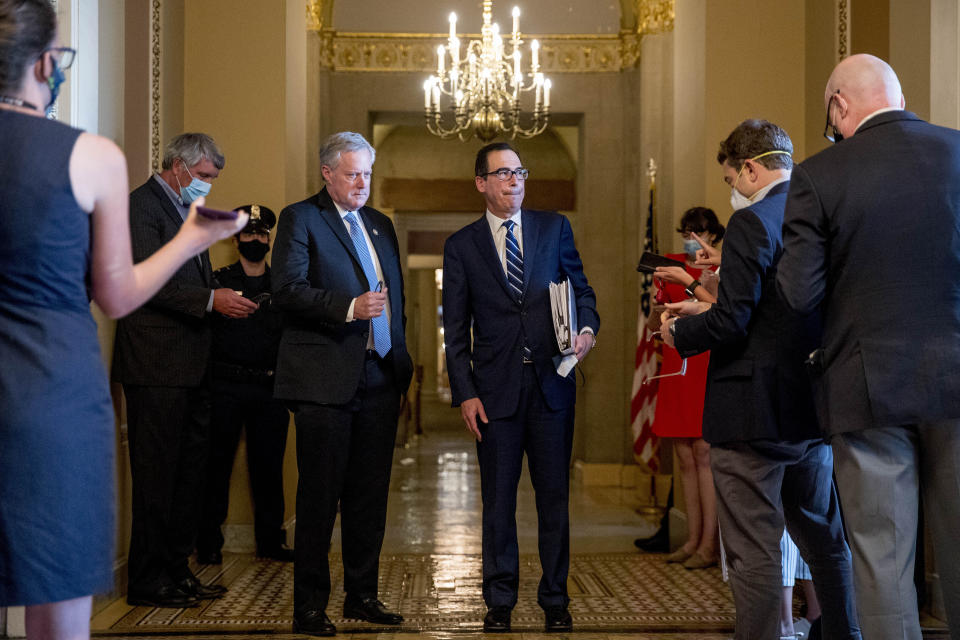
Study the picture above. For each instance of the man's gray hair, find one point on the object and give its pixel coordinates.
(192, 148)
(344, 142)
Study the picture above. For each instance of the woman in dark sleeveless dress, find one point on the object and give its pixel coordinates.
(64, 239)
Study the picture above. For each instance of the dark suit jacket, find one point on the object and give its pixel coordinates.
(872, 236)
(316, 274)
(166, 342)
(476, 296)
(757, 387)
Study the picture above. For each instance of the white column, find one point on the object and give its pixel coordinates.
(78, 104)
(945, 63)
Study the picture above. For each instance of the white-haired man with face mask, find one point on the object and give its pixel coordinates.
(161, 355)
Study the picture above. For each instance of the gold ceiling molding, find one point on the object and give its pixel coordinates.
(318, 14)
(654, 16)
(417, 52)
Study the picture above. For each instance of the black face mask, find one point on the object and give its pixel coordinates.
(253, 250)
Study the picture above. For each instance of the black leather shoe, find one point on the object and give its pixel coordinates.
(314, 623)
(370, 610)
(557, 619)
(657, 543)
(168, 596)
(209, 557)
(281, 554)
(497, 620)
(201, 591)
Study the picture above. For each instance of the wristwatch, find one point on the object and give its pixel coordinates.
(690, 288)
(673, 328)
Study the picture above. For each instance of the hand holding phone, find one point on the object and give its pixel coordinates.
(217, 214)
(650, 261)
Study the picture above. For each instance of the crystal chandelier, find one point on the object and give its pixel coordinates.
(484, 86)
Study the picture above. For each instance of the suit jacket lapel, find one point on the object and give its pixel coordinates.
(381, 245)
(330, 215)
(174, 215)
(531, 233)
(488, 251)
(388, 258)
(165, 203)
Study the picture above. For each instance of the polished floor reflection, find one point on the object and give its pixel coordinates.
(430, 567)
(435, 501)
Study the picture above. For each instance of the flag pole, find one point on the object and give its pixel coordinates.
(643, 401)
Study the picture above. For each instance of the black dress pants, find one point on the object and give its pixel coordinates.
(344, 455)
(169, 434)
(546, 436)
(249, 407)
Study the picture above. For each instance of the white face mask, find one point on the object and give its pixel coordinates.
(738, 200)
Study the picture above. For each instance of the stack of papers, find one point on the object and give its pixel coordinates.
(563, 305)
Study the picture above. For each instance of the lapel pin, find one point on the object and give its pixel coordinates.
(376, 233)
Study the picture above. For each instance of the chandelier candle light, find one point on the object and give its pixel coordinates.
(484, 86)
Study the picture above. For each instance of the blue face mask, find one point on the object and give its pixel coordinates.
(194, 190)
(54, 81)
(691, 246)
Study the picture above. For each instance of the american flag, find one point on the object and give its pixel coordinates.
(643, 401)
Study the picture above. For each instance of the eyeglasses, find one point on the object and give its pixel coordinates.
(63, 56)
(504, 174)
(837, 136)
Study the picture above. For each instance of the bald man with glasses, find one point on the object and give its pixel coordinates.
(871, 237)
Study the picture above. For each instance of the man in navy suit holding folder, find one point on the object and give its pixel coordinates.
(496, 277)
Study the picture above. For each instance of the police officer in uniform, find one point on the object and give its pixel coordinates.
(242, 364)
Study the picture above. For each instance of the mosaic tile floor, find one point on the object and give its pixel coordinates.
(441, 593)
(430, 569)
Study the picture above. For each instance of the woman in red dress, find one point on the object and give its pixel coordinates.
(679, 410)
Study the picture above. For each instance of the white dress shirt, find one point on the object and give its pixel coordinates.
(500, 234)
(876, 113)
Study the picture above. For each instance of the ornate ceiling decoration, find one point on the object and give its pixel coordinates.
(417, 52)
(654, 16)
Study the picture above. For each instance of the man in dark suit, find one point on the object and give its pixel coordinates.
(871, 238)
(160, 357)
(500, 345)
(770, 464)
(342, 367)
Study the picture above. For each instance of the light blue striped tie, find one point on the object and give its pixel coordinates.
(514, 261)
(381, 326)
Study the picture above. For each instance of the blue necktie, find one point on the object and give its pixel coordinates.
(514, 261)
(381, 326)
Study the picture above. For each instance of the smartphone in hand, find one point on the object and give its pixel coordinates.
(650, 261)
(217, 214)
